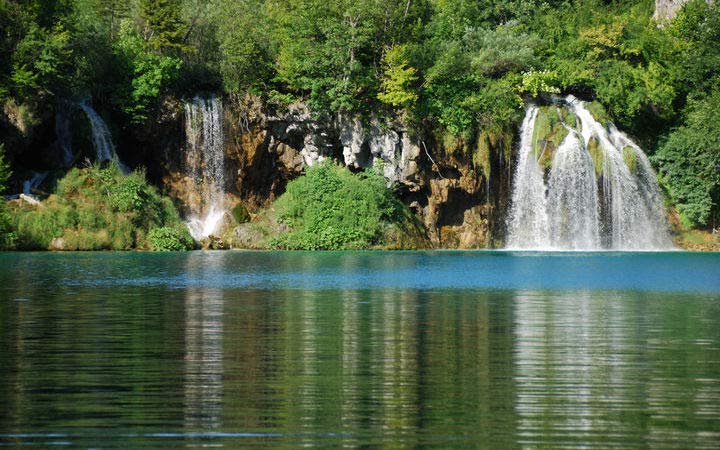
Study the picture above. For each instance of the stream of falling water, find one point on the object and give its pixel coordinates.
(206, 161)
(573, 207)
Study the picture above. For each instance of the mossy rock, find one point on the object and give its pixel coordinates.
(451, 143)
(630, 157)
(598, 112)
(568, 117)
(548, 134)
(596, 154)
(481, 157)
(240, 213)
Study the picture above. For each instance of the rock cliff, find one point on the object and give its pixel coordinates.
(458, 189)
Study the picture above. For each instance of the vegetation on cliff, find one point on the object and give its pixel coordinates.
(464, 67)
(101, 209)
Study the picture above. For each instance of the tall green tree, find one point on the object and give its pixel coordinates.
(163, 26)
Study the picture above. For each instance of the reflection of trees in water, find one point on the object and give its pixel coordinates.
(204, 354)
(610, 370)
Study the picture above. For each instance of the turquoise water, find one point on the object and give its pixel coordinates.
(360, 349)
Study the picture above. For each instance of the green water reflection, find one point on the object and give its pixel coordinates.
(158, 367)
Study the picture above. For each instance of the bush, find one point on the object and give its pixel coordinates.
(97, 209)
(330, 208)
(170, 239)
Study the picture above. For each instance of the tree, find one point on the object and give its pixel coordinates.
(164, 29)
(398, 80)
(689, 161)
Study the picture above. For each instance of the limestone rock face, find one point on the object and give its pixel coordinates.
(665, 10)
(457, 200)
(364, 147)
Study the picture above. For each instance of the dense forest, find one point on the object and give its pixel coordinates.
(466, 67)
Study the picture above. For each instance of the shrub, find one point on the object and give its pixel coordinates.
(96, 208)
(170, 239)
(331, 208)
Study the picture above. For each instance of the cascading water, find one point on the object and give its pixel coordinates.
(102, 139)
(599, 191)
(206, 163)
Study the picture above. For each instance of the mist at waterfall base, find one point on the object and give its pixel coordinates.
(205, 162)
(582, 204)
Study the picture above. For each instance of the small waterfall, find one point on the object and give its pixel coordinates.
(206, 163)
(601, 191)
(102, 139)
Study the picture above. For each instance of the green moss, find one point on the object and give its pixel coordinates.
(597, 155)
(630, 157)
(481, 156)
(568, 117)
(599, 112)
(240, 213)
(451, 143)
(548, 134)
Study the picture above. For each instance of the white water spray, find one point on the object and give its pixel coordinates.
(621, 209)
(206, 163)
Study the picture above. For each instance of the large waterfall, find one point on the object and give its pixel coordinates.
(594, 190)
(206, 163)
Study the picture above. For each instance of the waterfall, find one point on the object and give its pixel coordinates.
(528, 224)
(102, 139)
(599, 192)
(206, 163)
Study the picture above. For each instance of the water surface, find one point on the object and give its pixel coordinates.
(379, 349)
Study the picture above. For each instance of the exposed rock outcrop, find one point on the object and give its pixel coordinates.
(666, 10)
(458, 190)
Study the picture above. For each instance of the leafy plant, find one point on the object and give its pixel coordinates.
(331, 208)
(170, 239)
(99, 208)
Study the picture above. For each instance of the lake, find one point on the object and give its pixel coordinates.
(491, 350)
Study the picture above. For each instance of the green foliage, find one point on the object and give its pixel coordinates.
(689, 161)
(245, 45)
(397, 84)
(95, 209)
(330, 208)
(5, 171)
(39, 62)
(535, 83)
(7, 233)
(170, 239)
(150, 74)
(164, 28)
